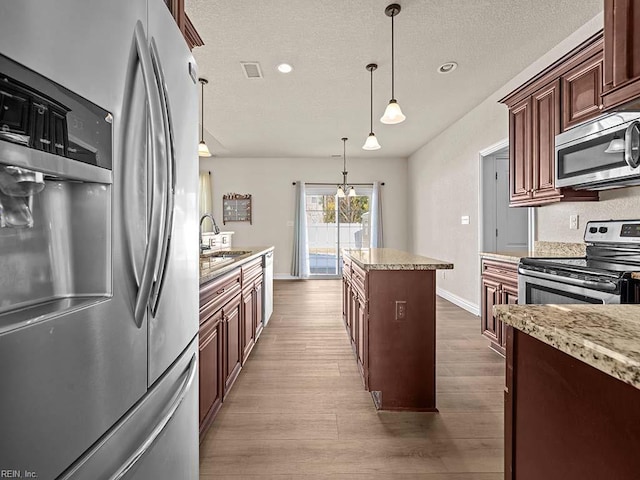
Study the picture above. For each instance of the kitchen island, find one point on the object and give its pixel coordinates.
(231, 320)
(572, 395)
(389, 313)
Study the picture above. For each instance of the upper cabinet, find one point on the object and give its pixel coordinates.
(191, 36)
(565, 94)
(621, 52)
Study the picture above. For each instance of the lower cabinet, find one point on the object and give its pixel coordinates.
(499, 287)
(232, 342)
(230, 323)
(211, 361)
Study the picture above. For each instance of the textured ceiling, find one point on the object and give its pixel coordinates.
(329, 42)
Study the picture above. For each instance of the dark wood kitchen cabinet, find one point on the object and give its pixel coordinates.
(252, 306)
(582, 92)
(189, 32)
(232, 316)
(389, 316)
(499, 287)
(211, 366)
(621, 83)
(558, 98)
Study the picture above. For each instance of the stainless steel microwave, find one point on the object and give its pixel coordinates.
(601, 154)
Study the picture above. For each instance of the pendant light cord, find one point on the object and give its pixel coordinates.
(202, 114)
(344, 165)
(371, 109)
(393, 75)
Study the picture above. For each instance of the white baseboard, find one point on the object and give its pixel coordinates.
(459, 301)
(284, 276)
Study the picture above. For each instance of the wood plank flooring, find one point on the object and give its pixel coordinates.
(299, 410)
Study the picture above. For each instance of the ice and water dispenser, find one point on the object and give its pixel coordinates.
(55, 196)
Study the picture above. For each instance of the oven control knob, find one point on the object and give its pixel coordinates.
(593, 229)
(603, 229)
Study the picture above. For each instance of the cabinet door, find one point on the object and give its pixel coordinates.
(509, 296)
(621, 51)
(581, 92)
(258, 318)
(362, 334)
(520, 151)
(210, 366)
(248, 318)
(232, 342)
(353, 326)
(546, 125)
(490, 297)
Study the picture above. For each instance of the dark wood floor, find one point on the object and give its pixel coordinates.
(299, 410)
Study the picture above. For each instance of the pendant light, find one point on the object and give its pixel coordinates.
(203, 150)
(372, 142)
(616, 145)
(342, 189)
(393, 113)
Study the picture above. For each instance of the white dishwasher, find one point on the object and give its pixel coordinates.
(267, 300)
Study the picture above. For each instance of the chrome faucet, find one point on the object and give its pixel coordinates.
(216, 230)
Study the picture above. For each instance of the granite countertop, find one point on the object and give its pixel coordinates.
(391, 259)
(212, 266)
(606, 337)
(541, 249)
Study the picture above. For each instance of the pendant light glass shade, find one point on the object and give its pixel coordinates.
(203, 150)
(340, 192)
(352, 192)
(393, 114)
(371, 143)
(616, 145)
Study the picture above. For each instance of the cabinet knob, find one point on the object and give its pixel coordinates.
(601, 107)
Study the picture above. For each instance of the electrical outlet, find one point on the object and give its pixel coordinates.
(464, 220)
(401, 309)
(573, 222)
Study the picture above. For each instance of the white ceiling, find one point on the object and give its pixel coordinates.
(329, 42)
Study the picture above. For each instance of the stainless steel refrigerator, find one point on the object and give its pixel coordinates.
(98, 242)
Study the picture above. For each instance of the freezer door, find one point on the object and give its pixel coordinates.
(173, 302)
(66, 379)
(158, 438)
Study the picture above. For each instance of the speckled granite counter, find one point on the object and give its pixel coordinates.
(391, 259)
(211, 268)
(541, 249)
(606, 337)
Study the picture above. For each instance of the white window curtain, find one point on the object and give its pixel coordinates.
(205, 200)
(376, 216)
(300, 261)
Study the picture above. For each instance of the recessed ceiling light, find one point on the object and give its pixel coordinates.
(284, 68)
(447, 67)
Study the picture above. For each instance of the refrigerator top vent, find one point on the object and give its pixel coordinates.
(251, 70)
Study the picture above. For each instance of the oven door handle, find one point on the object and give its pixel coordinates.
(602, 285)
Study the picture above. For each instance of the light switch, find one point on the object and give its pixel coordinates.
(464, 220)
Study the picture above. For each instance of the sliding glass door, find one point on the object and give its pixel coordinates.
(335, 223)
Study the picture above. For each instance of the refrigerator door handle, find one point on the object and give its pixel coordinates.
(169, 184)
(160, 426)
(158, 148)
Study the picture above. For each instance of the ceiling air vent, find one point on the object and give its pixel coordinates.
(251, 69)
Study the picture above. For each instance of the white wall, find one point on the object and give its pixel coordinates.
(444, 181)
(618, 204)
(269, 181)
